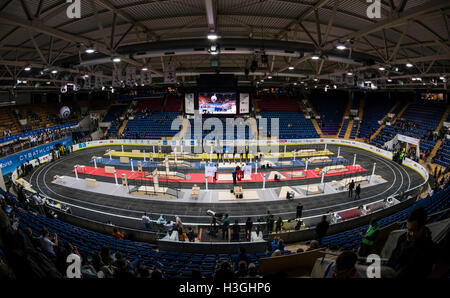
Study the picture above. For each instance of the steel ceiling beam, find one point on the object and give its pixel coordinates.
(38, 26)
(303, 16)
(402, 18)
(43, 66)
(210, 8)
(106, 4)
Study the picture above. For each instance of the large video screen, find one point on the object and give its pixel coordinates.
(217, 102)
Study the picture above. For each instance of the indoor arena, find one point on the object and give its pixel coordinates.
(222, 140)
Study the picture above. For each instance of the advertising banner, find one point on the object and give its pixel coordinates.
(8, 164)
(189, 103)
(244, 103)
(407, 139)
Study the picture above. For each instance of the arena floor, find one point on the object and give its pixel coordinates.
(126, 211)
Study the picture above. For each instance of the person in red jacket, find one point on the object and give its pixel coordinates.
(239, 175)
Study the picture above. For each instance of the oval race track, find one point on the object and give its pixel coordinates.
(127, 212)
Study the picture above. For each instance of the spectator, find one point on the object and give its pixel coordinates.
(47, 244)
(88, 270)
(276, 253)
(34, 240)
(351, 186)
(224, 272)
(225, 227)
(170, 226)
(278, 225)
(147, 222)
(105, 256)
(314, 244)
(248, 228)
(242, 270)
(252, 271)
(299, 210)
(269, 221)
(344, 267)
(190, 234)
(369, 238)
(234, 174)
(143, 272)
(321, 229)
(236, 231)
(357, 192)
(242, 257)
(414, 253)
(118, 235)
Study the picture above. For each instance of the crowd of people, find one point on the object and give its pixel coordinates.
(414, 255)
(37, 139)
(25, 255)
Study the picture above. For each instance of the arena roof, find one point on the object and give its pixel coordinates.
(40, 35)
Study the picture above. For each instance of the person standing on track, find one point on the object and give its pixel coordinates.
(357, 192)
(351, 187)
(299, 210)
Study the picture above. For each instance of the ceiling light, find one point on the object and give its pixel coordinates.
(349, 73)
(144, 69)
(89, 50)
(442, 78)
(316, 79)
(213, 49)
(291, 67)
(341, 47)
(389, 80)
(413, 79)
(212, 36)
(409, 64)
(27, 68)
(262, 81)
(54, 71)
(396, 69)
(381, 68)
(295, 84)
(315, 57)
(269, 77)
(48, 83)
(116, 59)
